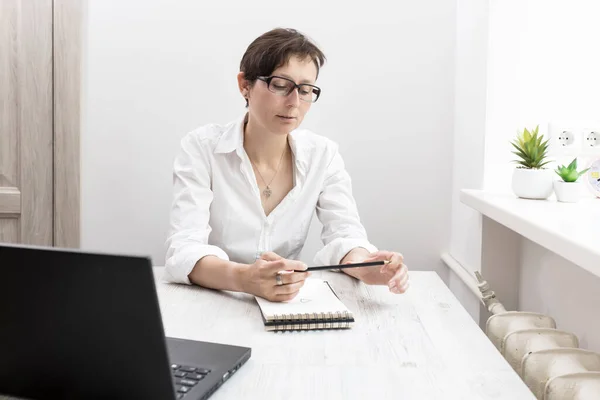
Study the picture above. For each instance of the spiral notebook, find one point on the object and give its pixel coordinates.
(315, 307)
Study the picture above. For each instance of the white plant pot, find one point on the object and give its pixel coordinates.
(532, 183)
(568, 192)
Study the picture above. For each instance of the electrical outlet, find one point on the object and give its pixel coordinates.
(564, 139)
(591, 141)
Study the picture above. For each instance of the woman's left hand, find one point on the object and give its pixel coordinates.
(394, 274)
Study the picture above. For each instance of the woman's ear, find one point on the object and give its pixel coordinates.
(243, 85)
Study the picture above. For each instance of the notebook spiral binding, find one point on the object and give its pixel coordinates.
(307, 321)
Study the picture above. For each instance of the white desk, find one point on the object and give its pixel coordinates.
(420, 345)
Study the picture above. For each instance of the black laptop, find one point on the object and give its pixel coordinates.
(78, 325)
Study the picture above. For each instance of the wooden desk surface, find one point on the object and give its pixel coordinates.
(420, 345)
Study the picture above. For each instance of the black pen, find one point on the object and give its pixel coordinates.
(356, 265)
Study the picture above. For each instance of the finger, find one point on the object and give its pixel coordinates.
(384, 255)
(401, 271)
(285, 297)
(293, 277)
(393, 266)
(395, 263)
(396, 284)
(270, 256)
(402, 279)
(403, 288)
(381, 255)
(400, 289)
(287, 289)
(293, 265)
(272, 267)
(399, 283)
(285, 265)
(400, 276)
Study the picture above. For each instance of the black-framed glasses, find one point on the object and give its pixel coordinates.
(284, 86)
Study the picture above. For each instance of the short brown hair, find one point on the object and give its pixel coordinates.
(273, 49)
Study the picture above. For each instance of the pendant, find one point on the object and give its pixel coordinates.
(267, 192)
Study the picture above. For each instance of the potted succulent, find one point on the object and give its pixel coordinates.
(568, 190)
(531, 180)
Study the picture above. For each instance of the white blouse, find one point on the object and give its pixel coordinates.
(217, 207)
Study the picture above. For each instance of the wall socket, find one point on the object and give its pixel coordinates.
(591, 141)
(564, 139)
(574, 139)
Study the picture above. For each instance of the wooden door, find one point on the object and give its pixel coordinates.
(26, 122)
(40, 53)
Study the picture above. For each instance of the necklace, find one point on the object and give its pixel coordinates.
(267, 191)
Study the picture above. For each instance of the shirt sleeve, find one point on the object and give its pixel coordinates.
(187, 241)
(337, 211)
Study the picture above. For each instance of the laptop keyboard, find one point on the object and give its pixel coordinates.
(186, 377)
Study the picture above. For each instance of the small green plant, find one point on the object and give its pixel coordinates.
(531, 149)
(569, 173)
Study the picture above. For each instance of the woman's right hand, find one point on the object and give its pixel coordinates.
(260, 278)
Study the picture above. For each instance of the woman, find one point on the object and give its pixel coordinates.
(245, 192)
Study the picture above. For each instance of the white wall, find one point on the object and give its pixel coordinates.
(153, 70)
(543, 69)
(542, 66)
(557, 80)
(469, 140)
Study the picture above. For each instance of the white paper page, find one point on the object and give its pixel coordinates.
(314, 297)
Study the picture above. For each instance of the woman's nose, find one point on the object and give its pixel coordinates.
(294, 97)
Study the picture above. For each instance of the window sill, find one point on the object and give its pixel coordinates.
(571, 230)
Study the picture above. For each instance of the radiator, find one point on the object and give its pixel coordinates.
(548, 359)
